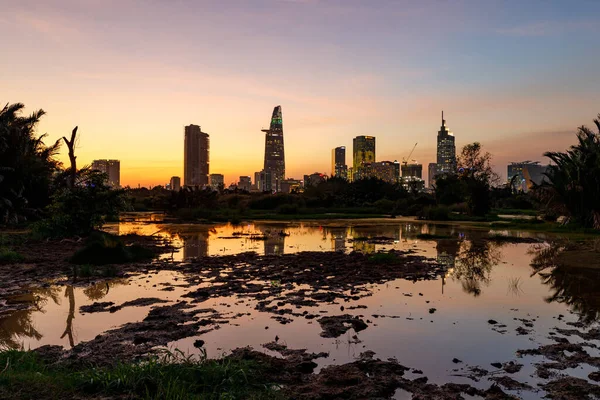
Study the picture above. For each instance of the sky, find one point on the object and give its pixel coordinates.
(517, 76)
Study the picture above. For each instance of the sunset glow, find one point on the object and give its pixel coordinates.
(131, 74)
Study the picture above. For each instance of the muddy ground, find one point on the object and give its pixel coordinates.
(325, 277)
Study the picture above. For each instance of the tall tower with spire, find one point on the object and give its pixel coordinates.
(274, 166)
(446, 150)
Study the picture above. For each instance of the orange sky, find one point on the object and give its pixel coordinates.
(132, 74)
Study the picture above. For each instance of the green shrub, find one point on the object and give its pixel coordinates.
(8, 256)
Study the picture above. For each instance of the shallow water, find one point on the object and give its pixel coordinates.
(484, 281)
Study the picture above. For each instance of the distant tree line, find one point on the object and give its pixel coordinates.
(36, 187)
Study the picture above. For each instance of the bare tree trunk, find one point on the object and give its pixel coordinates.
(72, 157)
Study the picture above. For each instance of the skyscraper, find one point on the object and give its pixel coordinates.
(195, 157)
(245, 183)
(363, 152)
(112, 169)
(431, 172)
(274, 152)
(339, 169)
(446, 150)
(217, 181)
(175, 183)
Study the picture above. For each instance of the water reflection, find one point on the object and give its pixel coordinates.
(473, 264)
(274, 243)
(576, 287)
(20, 323)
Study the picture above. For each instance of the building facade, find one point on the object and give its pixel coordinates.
(339, 169)
(446, 150)
(385, 170)
(245, 183)
(431, 173)
(217, 182)
(314, 179)
(291, 185)
(195, 157)
(412, 176)
(523, 175)
(363, 152)
(112, 169)
(274, 163)
(175, 183)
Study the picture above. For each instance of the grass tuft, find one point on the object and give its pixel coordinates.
(169, 376)
(8, 256)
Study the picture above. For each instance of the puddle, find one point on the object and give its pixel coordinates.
(425, 324)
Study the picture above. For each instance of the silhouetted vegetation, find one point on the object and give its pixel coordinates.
(34, 185)
(102, 248)
(573, 180)
(27, 165)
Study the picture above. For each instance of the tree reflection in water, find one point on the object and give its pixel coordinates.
(20, 323)
(576, 287)
(473, 263)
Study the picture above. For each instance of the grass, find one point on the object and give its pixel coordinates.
(170, 376)
(8, 256)
(544, 226)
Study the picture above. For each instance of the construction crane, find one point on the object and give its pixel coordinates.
(405, 160)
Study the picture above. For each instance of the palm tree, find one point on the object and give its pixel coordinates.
(573, 180)
(26, 164)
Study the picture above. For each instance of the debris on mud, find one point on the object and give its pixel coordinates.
(335, 326)
(109, 306)
(509, 383)
(135, 340)
(570, 388)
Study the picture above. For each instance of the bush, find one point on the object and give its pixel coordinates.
(8, 256)
(80, 210)
(436, 213)
(102, 248)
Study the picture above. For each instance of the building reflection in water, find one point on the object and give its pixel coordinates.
(338, 238)
(274, 244)
(195, 244)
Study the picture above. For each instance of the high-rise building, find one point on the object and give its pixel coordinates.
(112, 169)
(446, 150)
(384, 170)
(339, 169)
(217, 181)
(245, 183)
(412, 170)
(175, 183)
(412, 176)
(195, 157)
(274, 152)
(523, 175)
(431, 173)
(363, 152)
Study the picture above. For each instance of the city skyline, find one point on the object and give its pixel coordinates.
(508, 76)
